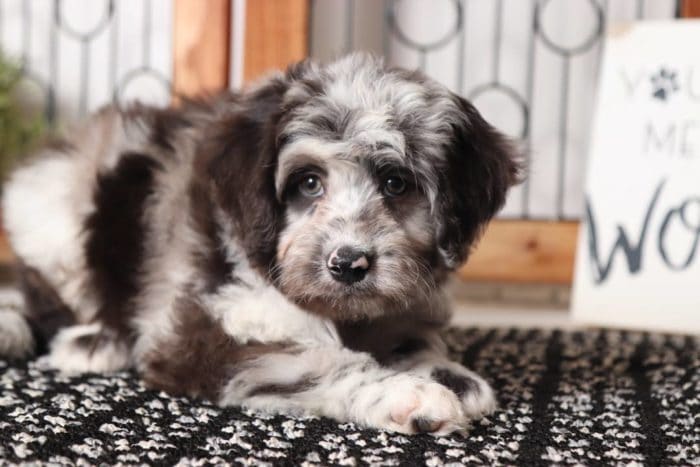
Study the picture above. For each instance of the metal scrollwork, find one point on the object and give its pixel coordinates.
(592, 39)
(452, 32)
(62, 20)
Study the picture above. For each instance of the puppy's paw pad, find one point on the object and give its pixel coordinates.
(400, 413)
(426, 425)
(425, 407)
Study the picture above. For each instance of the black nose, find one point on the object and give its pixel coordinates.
(349, 265)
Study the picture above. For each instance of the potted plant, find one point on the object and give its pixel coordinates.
(19, 127)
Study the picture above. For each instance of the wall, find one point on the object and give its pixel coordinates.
(79, 55)
(537, 83)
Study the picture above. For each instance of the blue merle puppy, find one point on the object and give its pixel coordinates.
(283, 248)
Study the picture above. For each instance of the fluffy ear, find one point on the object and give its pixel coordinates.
(482, 164)
(241, 156)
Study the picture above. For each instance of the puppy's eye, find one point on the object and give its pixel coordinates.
(394, 186)
(311, 186)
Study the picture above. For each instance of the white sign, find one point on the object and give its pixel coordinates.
(638, 262)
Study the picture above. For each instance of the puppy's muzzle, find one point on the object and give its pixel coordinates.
(348, 265)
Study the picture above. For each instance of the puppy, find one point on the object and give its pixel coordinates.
(282, 248)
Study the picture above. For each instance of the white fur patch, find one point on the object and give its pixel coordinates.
(263, 314)
(43, 214)
(69, 357)
(16, 339)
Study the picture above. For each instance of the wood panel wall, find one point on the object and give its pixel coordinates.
(524, 252)
(276, 34)
(201, 31)
(690, 9)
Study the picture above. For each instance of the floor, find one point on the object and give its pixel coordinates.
(520, 306)
(495, 315)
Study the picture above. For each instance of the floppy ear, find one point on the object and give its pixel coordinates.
(482, 164)
(241, 156)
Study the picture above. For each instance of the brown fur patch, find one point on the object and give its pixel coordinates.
(305, 383)
(388, 338)
(45, 312)
(116, 231)
(200, 358)
(482, 164)
(459, 384)
(238, 153)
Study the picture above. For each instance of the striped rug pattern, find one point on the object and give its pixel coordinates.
(586, 398)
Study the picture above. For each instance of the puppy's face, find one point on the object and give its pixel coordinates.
(369, 184)
(358, 237)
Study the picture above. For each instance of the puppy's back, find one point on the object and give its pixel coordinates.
(73, 215)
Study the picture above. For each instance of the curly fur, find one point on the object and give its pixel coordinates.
(179, 241)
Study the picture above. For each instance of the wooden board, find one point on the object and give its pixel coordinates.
(524, 252)
(6, 255)
(201, 46)
(690, 9)
(511, 251)
(276, 34)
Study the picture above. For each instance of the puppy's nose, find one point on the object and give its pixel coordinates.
(347, 264)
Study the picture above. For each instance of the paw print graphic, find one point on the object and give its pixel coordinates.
(664, 83)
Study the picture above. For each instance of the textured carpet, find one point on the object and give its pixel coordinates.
(586, 398)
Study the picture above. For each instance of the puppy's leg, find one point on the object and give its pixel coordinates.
(16, 339)
(201, 357)
(427, 356)
(44, 310)
(46, 323)
(347, 386)
(89, 348)
(28, 327)
(415, 345)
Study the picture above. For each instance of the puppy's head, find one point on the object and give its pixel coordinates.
(357, 187)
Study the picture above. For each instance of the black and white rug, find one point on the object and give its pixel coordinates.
(584, 397)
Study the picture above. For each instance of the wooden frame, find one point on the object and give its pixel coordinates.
(276, 35)
(524, 252)
(690, 9)
(201, 31)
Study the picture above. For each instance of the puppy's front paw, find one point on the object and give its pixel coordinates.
(475, 394)
(411, 404)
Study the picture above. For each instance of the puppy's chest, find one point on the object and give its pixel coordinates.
(387, 338)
